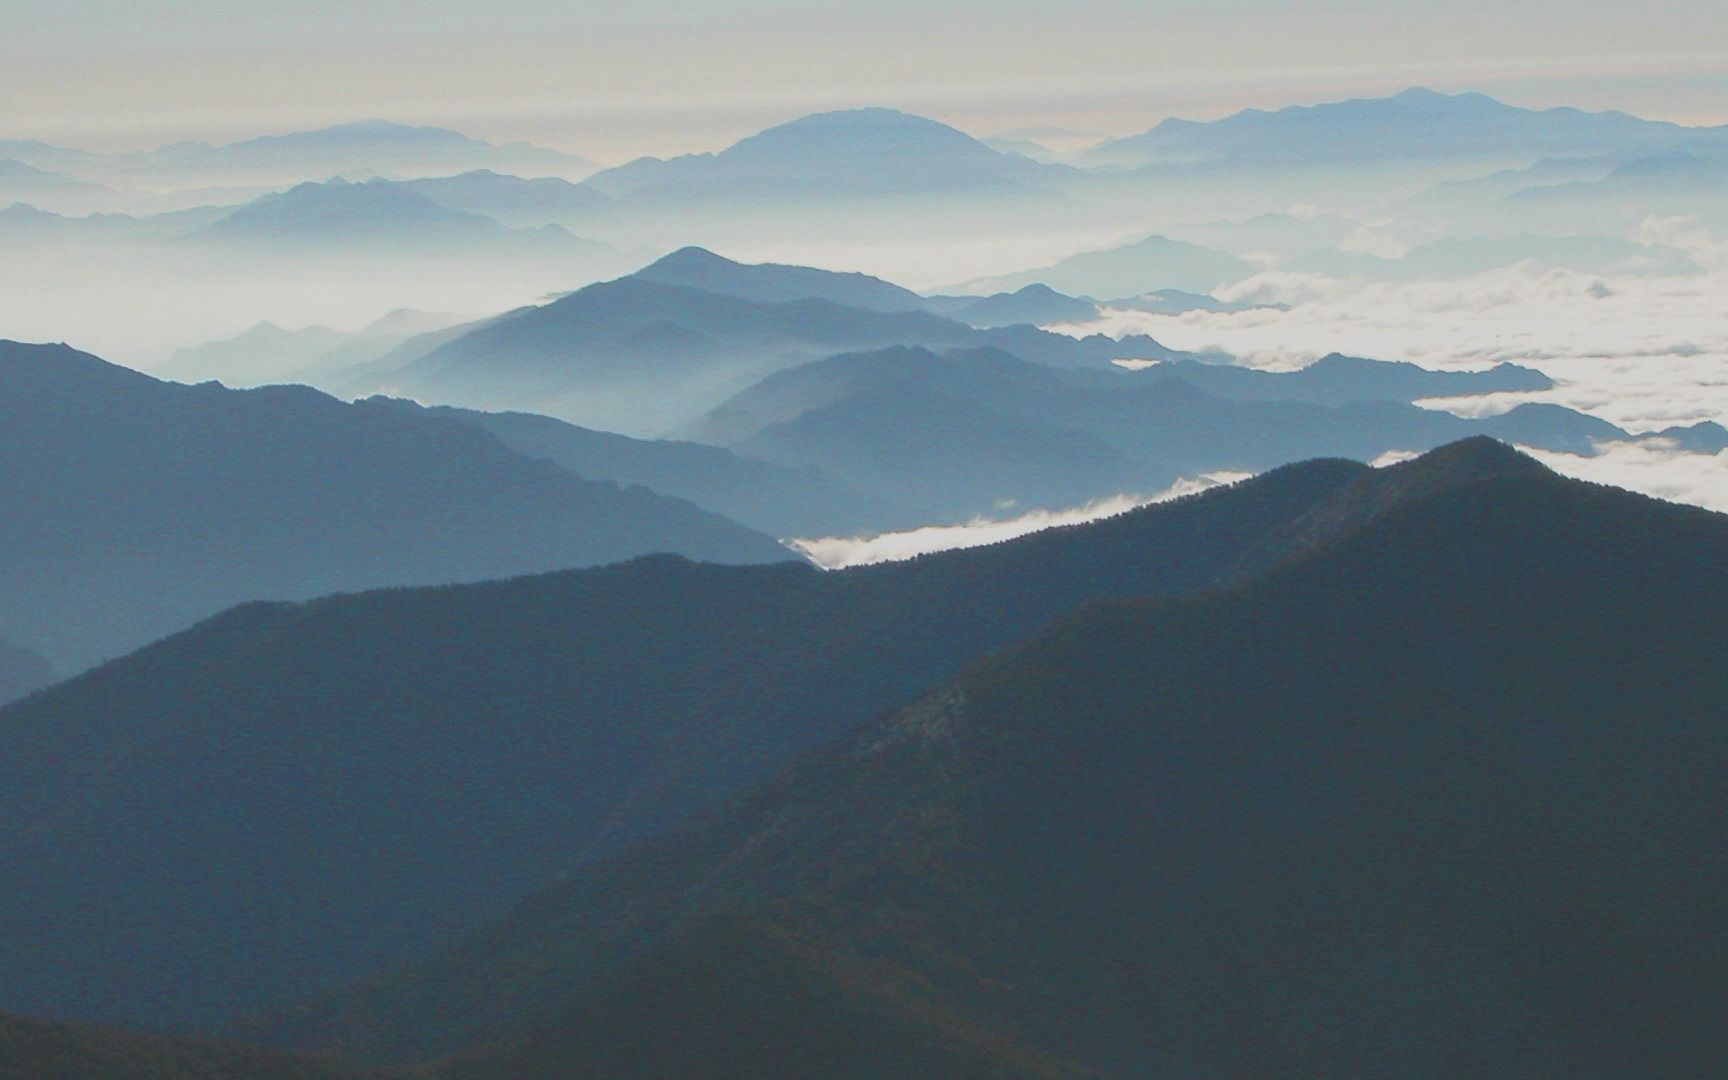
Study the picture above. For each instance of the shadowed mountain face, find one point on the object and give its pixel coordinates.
(423, 757)
(640, 356)
(133, 508)
(1429, 801)
(22, 672)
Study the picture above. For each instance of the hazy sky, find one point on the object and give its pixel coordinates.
(616, 79)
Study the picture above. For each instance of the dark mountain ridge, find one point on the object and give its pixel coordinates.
(425, 755)
(134, 508)
(1384, 810)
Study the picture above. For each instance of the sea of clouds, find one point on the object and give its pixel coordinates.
(1645, 352)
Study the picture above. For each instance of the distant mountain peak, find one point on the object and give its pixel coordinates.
(876, 129)
(690, 257)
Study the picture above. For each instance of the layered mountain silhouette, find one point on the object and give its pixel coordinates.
(369, 147)
(777, 500)
(378, 218)
(642, 356)
(513, 200)
(289, 795)
(315, 355)
(977, 431)
(771, 283)
(1036, 304)
(1336, 379)
(133, 508)
(857, 153)
(22, 183)
(1431, 800)
(1414, 126)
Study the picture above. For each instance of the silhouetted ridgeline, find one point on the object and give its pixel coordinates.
(780, 501)
(976, 430)
(641, 354)
(428, 755)
(1432, 800)
(132, 508)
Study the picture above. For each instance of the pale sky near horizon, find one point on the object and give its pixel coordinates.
(667, 76)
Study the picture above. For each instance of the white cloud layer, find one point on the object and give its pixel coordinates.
(1654, 468)
(1643, 352)
(835, 552)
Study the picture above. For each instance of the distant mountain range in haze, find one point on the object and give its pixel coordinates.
(979, 430)
(378, 218)
(365, 148)
(452, 698)
(406, 212)
(646, 353)
(868, 153)
(1415, 125)
(268, 354)
(783, 502)
(133, 508)
(1013, 419)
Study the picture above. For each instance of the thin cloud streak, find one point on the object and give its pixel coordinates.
(836, 552)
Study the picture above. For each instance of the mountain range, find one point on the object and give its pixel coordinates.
(849, 154)
(1289, 826)
(268, 354)
(364, 148)
(378, 217)
(1380, 810)
(133, 508)
(780, 501)
(428, 755)
(1416, 125)
(642, 356)
(977, 431)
